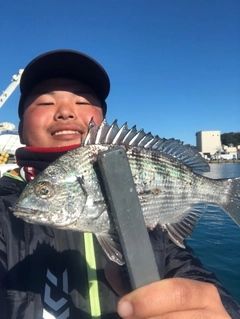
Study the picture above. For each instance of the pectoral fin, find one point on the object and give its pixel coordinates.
(110, 244)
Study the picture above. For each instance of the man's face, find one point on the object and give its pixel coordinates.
(57, 113)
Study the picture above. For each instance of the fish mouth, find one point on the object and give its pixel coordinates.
(19, 211)
(30, 215)
(33, 216)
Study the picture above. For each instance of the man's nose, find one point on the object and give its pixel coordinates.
(65, 111)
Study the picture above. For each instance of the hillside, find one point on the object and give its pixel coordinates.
(230, 138)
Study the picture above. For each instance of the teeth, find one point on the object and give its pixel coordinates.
(66, 132)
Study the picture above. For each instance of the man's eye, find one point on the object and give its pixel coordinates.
(83, 103)
(45, 103)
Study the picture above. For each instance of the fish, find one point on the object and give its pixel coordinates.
(172, 193)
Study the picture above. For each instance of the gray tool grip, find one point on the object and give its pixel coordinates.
(127, 214)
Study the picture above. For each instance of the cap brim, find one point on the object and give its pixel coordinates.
(68, 64)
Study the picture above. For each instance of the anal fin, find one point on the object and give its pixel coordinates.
(183, 229)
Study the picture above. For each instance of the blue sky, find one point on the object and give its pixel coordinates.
(174, 65)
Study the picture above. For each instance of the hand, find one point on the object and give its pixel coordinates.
(173, 298)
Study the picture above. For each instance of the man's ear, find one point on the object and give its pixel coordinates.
(20, 131)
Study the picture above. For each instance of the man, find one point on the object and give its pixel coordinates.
(51, 273)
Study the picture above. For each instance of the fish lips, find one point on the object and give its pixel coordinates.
(35, 217)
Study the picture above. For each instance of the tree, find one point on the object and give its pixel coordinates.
(230, 138)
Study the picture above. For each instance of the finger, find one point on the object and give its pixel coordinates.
(190, 314)
(168, 295)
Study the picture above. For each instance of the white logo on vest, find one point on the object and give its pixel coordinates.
(53, 304)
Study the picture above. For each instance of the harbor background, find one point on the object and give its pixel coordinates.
(216, 238)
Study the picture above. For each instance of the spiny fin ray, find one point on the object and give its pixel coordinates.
(111, 134)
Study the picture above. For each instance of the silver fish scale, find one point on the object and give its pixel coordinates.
(95, 209)
(168, 189)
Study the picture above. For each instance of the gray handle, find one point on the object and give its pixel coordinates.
(127, 214)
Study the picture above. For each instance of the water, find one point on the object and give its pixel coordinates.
(216, 238)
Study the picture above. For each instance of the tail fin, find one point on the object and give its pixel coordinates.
(233, 206)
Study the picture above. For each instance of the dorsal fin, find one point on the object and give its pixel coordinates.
(112, 134)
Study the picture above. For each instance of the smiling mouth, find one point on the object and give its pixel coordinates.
(66, 132)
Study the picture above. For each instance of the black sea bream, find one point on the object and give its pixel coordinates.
(68, 194)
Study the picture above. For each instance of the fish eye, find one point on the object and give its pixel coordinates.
(43, 189)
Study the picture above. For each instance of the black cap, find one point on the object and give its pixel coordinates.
(66, 64)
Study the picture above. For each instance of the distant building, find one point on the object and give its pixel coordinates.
(208, 142)
(231, 150)
(210, 146)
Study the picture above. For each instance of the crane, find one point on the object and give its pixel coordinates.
(9, 139)
(12, 86)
